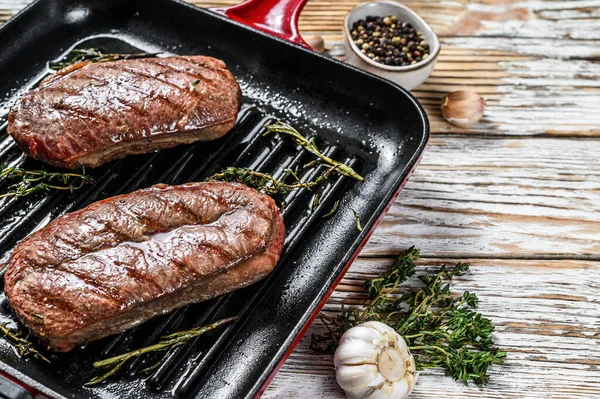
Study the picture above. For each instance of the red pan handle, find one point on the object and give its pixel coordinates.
(277, 17)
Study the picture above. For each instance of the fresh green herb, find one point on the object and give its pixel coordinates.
(167, 342)
(22, 344)
(33, 181)
(441, 329)
(358, 224)
(93, 55)
(311, 146)
(333, 210)
(267, 183)
(195, 82)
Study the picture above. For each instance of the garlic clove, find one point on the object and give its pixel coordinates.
(366, 392)
(386, 391)
(463, 108)
(316, 42)
(403, 348)
(399, 390)
(362, 332)
(381, 328)
(386, 334)
(355, 352)
(355, 377)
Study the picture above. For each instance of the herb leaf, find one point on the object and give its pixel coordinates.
(332, 211)
(166, 342)
(93, 55)
(358, 223)
(22, 344)
(267, 183)
(310, 146)
(442, 330)
(33, 181)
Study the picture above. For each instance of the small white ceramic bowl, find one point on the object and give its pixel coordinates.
(409, 76)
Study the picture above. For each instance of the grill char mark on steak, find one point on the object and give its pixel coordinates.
(123, 260)
(89, 114)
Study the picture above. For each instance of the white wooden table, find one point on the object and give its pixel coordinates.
(518, 195)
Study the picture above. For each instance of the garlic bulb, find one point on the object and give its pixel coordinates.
(463, 108)
(374, 362)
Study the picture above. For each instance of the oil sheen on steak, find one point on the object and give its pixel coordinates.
(89, 114)
(121, 261)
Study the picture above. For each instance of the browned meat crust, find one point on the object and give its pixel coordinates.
(89, 114)
(126, 259)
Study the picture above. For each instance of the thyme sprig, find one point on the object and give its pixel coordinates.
(311, 146)
(441, 329)
(166, 342)
(267, 183)
(33, 181)
(22, 344)
(93, 55)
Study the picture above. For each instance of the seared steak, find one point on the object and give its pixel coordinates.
(89, 114)
(121, 261)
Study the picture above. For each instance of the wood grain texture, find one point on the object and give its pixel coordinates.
(542, 84)
(546, 317)
(498, 197)
(519, 192)
(576, 19)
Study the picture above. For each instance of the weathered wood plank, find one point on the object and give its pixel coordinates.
(570, 19)
(577, 19)
(546, 317)
(533, 86)
(536, 62)
(491, 196)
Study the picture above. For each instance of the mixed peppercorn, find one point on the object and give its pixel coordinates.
(389, 41)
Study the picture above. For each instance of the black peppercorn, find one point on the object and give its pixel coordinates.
(389, 41)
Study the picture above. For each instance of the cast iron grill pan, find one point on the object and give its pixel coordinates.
(367, 122)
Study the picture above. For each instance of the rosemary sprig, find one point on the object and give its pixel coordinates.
(441, 329)
(93, 55)
(33, 181)
(167, 342)
(310, 146)
(22, 344)
(267, 183)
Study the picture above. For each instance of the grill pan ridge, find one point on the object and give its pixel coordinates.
(371, 124)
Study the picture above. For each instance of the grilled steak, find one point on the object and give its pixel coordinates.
(121, 261)
(89, 114)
